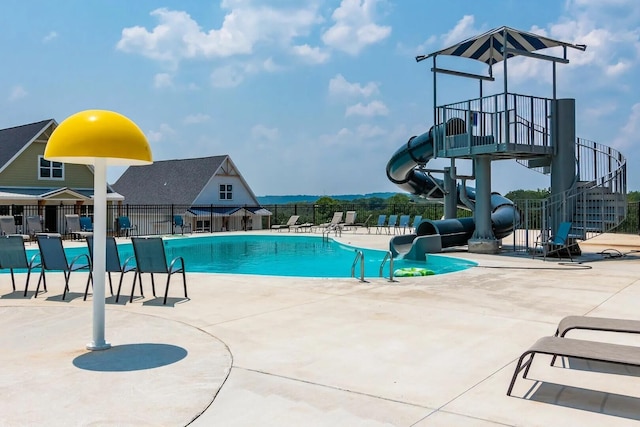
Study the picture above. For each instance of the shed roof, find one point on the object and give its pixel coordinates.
(488, 47)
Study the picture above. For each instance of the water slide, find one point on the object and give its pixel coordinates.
(433, 235)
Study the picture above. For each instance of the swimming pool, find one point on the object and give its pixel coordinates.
(299, 256)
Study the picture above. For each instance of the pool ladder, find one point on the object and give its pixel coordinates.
(360, 258)
(388, 256)
(337, 229)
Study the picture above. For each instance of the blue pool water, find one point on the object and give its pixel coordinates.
(301, 256)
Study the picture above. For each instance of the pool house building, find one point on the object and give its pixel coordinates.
(208, 192)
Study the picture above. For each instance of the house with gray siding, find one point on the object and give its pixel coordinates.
(209, 192)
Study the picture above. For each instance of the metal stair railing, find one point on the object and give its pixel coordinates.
(595, 205)
(501, 117)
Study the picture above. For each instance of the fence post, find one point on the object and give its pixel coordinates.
(172, 227)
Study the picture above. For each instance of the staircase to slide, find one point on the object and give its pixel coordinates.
(595, 204)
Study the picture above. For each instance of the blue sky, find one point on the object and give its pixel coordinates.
(307, 97)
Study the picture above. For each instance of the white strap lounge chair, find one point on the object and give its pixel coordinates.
(293, 219)
(74, 228)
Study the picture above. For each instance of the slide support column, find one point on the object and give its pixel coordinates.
(563, 164)
(451, 193)
(483, 240)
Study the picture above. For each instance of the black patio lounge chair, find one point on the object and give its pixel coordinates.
(403, 224)
(14, 255)
(382, 219)
(559, 244)
(416, 222)
(113, 264)
(151, 258)
(178, 221)
(54, 258)
(124, 225)
(86, 224)
(392, 223)
(578, 349)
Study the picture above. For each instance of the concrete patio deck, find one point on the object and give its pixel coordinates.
(276, 351)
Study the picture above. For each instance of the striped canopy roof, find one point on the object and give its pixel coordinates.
(487, 47)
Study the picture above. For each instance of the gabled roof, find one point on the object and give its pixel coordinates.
(40, 193)
(14, 140)
(168, 181)
(487, 47)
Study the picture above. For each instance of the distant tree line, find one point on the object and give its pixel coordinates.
(404, 204)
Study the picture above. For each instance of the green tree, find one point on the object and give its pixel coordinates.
(633, 196)
(538, 194)
(398, 204)
(326, 206)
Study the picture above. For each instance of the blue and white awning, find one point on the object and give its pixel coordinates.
(488, 47)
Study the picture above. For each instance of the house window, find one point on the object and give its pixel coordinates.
(226, 192)
(50, 170)
(203, 225)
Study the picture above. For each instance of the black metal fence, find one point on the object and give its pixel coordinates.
(158, 219)
(631, 224)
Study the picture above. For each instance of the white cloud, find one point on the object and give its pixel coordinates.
(312, 55)
(343, 137)
(162, 80)
(270, 65)
(232, 75)
(618, 68)
(49, 37)
(178, 36)
(463, 30)
(344, 132)
(427, 46)
(196, 119)
(366, 131)
(338, 85)
(611, 35)
(629, 132)
(227, 76)
(160, 134)
(354, 27)
(17, 92)
(264, 133)
(600, 110)
(374, 108)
